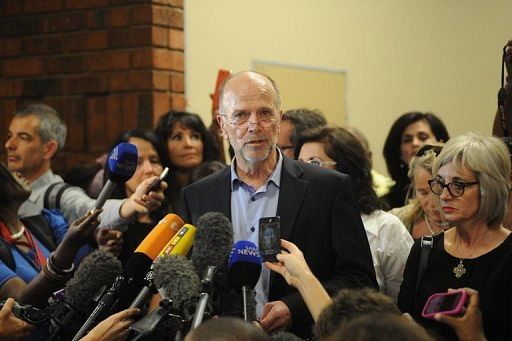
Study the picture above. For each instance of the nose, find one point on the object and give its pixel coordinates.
(146, 167)
(445, 194)
(416, 142)
(9, 144)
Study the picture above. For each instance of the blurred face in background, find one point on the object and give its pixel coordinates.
(185, 147)
(314, 152)
(148, 164)
(424, 194)
(413, 137)
(284, 142)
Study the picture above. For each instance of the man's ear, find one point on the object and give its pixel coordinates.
(221, 123)
(50, 149)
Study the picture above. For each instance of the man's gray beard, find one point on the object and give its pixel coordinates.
(255, 160)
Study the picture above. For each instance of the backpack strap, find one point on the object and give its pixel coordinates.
(41, 229)
(6, 255)
(427, 243)
(53, 194)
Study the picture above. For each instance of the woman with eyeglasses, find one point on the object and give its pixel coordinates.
(421, 216)
(407, 134)
(471, 179)
(390, 242)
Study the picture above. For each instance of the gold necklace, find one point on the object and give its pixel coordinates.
(442, 224)
(459, 270)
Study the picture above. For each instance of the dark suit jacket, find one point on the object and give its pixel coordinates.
(318, 213)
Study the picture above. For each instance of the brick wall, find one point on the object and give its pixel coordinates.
(106, 65)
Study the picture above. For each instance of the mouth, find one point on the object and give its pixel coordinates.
(448, 209)
(12, 158)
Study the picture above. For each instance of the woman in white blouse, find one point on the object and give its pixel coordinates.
(390, 242)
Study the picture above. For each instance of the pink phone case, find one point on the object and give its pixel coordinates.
(435, 302)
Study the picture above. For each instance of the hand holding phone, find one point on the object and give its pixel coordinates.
(156, 183)
(448, 303)
(269, 238)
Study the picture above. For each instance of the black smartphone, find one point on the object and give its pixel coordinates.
(270, 238)
(156, 183)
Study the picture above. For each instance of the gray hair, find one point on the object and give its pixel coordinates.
(488, 158)
(277, 101)
(51, 126)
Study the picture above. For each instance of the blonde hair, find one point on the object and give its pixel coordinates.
(488, 158)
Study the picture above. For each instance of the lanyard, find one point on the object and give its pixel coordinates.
(35, 256)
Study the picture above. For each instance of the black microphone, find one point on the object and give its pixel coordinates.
(125, 287)
(96, 272)
(177, 282)
(244, 268)
(121, 163)
(212, 245)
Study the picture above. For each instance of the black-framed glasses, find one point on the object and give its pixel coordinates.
(265, 119)
(456, 188)
(319, 162)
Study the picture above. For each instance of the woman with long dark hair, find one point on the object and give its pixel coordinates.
(405, 137)
(189, 144)
(337, 149)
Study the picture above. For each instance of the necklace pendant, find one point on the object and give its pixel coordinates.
(459, 270)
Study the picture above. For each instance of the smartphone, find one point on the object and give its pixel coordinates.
(156, 183)
(270, 238)
(449, 303)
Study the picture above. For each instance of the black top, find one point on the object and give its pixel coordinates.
(490, 274)
(133, 237)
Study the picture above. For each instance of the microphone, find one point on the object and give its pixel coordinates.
(180, 244)
(95, 273)
(126, 286)
(502, 97)
(178, 284)
(121, 163)
(212, 245)
(244, 268)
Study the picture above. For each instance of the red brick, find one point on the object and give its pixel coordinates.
(145, 110)
(138, 37)
(172, 3)
(22, 67)
(124, 2)
(11, 7)
(109, 60)
(55, 44)
(142, 58)
(118, 17)
(87, 41)
(141, 80)
(160, 36)
(67, 22)
(79, 4)
(130, 108)
(10, 88)
(35, 45)
(161, 80)
(96, 123)
(10, 46)
(161, 104)
(177, 82)
(87, 84)
(141, 14)
(168, 17)
(40, 6)
(22, 26)
(115, 117)
(178, 101)
(43, 87)
(168, 60)
(59, 65)
(97, 18)
(76, 124)
(176, 39)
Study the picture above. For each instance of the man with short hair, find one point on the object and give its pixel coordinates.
(316, 206)
(293, 123)
(36, 134)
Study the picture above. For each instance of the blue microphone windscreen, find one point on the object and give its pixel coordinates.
(244, 265)
(244, 251)
(122, 162)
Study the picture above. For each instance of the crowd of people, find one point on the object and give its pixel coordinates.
(359, 258)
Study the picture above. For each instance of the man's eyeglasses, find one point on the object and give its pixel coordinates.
(456, 188)
(266, 119)
(320, 162)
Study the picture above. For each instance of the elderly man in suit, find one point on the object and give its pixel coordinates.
(315, 205)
